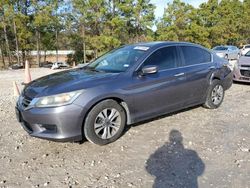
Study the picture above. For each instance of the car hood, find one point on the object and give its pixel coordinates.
(244, 60)
(66, 81)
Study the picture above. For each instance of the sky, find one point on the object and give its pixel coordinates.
(161, 4)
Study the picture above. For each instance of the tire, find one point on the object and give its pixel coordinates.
(215, 95)
(105, 122)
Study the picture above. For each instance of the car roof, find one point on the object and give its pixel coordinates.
(163, 43)
(225, 46)
(231, 46)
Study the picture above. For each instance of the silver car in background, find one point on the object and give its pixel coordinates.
(227, 52)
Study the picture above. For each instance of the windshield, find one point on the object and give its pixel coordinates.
(118, 60)
(220, 48)
(247, 54)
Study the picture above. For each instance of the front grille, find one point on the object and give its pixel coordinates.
(26, 101)
(245, 73)
(245, 65)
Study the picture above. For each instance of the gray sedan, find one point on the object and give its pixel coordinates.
(227, 52)
(125, 86)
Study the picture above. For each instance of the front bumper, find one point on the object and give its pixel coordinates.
(239, 77)
(58, 124)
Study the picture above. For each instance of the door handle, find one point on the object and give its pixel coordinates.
(180, 74)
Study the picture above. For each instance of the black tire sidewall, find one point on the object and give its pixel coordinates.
(209, 103)
(90, 120)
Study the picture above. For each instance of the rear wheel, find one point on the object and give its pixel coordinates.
(215, 95)
(105, 122)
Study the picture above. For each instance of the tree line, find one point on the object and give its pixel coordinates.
(101, 25)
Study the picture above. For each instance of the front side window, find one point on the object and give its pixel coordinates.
(164, 58)
(195, 55)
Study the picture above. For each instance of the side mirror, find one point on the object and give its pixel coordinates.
(149, 69)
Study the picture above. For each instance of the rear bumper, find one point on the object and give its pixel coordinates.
(237, 76)
(58, 124)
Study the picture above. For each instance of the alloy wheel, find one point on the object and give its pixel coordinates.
(217, 94)
(107, 123)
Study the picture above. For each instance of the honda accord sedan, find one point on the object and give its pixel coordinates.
(127, 85)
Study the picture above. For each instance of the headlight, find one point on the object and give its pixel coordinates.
(56, 100)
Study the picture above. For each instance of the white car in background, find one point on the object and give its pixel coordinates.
(227, 52)
(60, 65)
(245, 49)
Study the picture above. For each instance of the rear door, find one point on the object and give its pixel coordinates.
(198, 67)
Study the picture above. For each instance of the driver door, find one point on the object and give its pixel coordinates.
(160, 92)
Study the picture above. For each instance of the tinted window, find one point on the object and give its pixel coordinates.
(194, 55)
(164, 58)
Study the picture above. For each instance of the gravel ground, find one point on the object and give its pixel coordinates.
(192, 148)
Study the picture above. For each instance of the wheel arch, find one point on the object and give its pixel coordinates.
(213, 77)
(119, 101)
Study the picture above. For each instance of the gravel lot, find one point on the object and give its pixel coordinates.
(192, 148)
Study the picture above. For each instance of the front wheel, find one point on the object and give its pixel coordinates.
(215, 95)
(105, 122)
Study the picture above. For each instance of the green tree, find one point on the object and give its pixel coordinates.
(175, 22)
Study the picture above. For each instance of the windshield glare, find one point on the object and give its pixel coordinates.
(118, 60)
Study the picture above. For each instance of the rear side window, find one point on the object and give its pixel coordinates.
(195, 55)
(164, 58)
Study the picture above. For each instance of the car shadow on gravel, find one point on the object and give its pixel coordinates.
(173, 165)
(161, 117)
